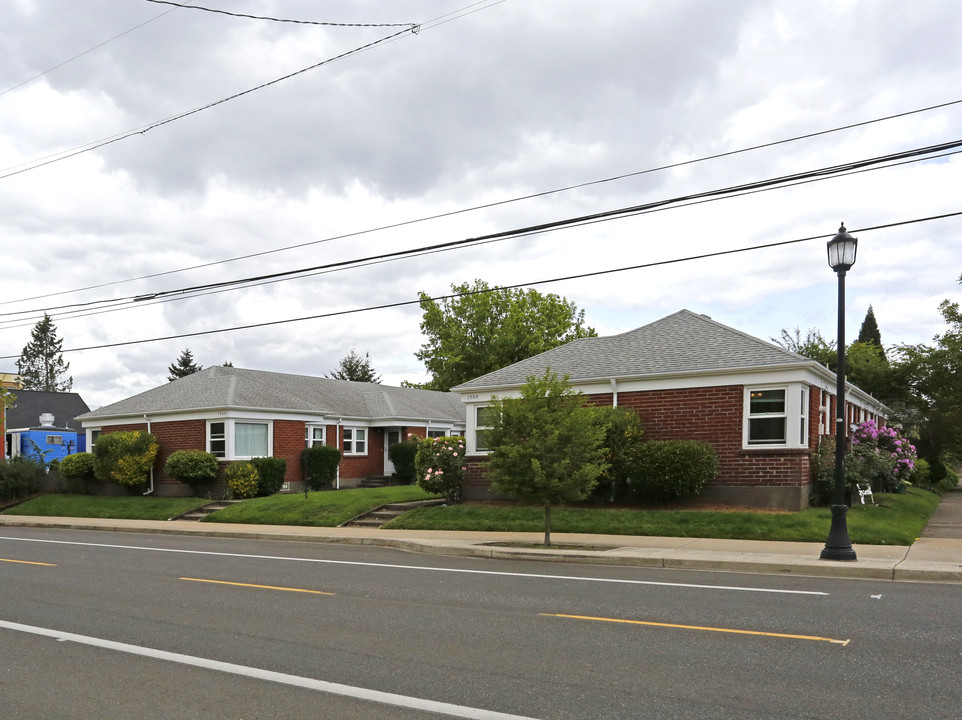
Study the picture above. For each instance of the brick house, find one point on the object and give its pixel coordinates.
(761, 407)
(238, 414)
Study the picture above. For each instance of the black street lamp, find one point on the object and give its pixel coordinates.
(841, 256)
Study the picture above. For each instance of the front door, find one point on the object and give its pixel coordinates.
(391, 438)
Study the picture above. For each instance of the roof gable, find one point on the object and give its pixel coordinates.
(684, 342)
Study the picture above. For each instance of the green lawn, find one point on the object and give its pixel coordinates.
(133, 507)
(323, 509)
(898, 520)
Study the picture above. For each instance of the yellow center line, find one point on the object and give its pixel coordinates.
(259, 587)
(698, 627)
(27, 562)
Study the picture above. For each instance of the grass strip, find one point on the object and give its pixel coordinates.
(130, 507)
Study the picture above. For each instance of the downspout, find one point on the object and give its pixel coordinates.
(151, 490)
(337, 444)
(614, 393)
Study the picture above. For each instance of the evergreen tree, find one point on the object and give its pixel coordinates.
(356, 368)
(184, 366)
(870, 332)
(41, 365)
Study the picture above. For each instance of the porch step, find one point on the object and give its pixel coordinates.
(198, 514)
(385, 513)
(375, 481)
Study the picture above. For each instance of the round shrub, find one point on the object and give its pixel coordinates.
(270, 474)
(78, 468)
(192, 467)
(241, 479)
(672, 469)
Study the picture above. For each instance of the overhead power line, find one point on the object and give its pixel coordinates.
(497, 203)
(532, 283)
(721, 193)
(280, 20)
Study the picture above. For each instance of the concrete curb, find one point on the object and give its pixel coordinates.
(936, 560)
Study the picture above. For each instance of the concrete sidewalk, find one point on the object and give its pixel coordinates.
(933, 557)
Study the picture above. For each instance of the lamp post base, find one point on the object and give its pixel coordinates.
(838, 546)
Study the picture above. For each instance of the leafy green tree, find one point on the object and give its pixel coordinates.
(41, 365)
(933, 375)
(184, 366)
(481, 329)
(546, 446)
(814, 346)
(356, 368)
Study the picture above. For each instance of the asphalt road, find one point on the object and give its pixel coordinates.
(118, 625)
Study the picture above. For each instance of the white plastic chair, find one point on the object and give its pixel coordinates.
(865, 491)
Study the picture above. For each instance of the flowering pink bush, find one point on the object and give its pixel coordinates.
(887, 449)
(439, 465)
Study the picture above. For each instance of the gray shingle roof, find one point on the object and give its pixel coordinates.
(30, 404)
(224, 388)
(684, 342)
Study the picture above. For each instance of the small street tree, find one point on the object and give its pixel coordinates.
(183, 367)
(356, 368)
(546, 446)
(41, 365)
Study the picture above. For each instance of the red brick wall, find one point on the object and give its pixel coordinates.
(288, 444)
(713, 415)
(362, 466)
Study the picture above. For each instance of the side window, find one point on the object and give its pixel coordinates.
(314, 435)
(484, 417)
(217, 438)
(355, 441)
(767, 418)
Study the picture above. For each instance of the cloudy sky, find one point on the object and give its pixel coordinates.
(316, 144)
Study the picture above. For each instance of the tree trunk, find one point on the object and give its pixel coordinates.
(547, 526)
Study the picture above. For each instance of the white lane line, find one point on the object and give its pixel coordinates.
(385, 698)
(427, 569)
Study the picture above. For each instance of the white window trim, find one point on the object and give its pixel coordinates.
(229, 445)
(473, 428)
(309, 438)
(352, 442)
(796, 415)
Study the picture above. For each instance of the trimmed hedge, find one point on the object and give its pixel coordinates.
(271, 472)
(672, 469)
(320, 466)
(125, 457)
(192, 467)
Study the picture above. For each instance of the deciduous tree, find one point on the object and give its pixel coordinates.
(481, 329)
(546, 446)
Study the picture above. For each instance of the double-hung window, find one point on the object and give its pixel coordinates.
(776, 416)
(484, 417)
(767, 417)
(355, 441)
(217, 438)
(314, 436)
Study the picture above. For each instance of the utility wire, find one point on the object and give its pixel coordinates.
(497, 203)
(281, 20)
(407, 303)
(720, 193)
